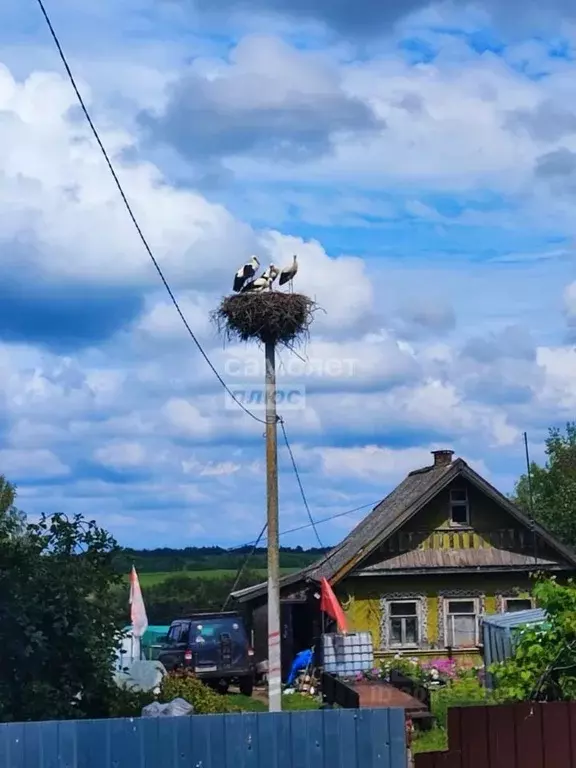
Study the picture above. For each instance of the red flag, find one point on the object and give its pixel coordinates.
(330, 605)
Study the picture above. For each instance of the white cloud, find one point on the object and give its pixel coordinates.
(39, 463)
(122, 455)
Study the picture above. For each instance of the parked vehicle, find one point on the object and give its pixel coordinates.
(215, 646)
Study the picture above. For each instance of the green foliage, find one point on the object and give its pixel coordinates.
(12, 520)
(434, 740)
(462, 692)
(57, 621)
(126, 702)
(209, 559)
(184, 684)
(554, 486)
(544, 662)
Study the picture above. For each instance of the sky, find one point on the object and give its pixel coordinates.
(420, 159)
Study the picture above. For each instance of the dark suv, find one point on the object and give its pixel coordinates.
(215, 646)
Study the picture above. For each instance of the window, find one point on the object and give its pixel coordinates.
(461, 623)
(403, 623)
(459, 510)
(177, 633)
(514, 604)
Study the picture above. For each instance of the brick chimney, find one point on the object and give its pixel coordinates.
(442, 458)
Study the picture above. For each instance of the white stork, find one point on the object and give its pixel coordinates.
(271, 273)
(258, 285)
(287, 274)
(246, 273)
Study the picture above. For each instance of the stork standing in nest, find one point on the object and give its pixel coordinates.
(246, 273)
(287, 274)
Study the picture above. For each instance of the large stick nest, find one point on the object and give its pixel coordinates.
(267, 316)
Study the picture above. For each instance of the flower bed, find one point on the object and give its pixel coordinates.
(433, 674)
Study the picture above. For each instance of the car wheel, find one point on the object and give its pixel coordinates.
(222, 687)
(246, 685)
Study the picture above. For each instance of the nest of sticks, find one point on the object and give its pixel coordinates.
(268, 316)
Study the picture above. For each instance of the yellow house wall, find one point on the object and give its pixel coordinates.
(362, 598)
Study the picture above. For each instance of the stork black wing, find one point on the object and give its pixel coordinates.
(239, 281)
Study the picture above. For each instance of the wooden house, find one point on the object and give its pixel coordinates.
(441, 550)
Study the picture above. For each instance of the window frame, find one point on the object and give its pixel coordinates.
(179, 631)
(417, 615)
(459, 503)
(518, 600)
(449, 626)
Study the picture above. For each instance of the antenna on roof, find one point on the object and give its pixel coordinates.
(531, 497)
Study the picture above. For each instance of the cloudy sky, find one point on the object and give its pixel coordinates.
(420, 159)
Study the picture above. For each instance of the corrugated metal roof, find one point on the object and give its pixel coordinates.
(456, 558)
(516, 618)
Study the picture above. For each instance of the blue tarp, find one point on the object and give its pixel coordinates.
(302, 660)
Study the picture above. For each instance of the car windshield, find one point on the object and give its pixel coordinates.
(211, 629)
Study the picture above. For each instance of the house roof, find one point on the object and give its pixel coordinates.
(481, 557)
(406, 500)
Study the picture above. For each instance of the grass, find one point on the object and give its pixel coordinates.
(151, 579)
(291, 703)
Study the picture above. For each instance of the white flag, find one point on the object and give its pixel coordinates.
(137, 608)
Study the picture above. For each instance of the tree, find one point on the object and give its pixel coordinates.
(554, 486)
(58, 629)
(12, 520)
(543, 666)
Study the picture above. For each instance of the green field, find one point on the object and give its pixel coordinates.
(150, 579)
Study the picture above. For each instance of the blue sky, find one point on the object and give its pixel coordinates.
(420, 159)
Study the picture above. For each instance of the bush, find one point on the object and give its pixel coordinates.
(185, 685)
(434, 740)
(464, 692)
(125, 702)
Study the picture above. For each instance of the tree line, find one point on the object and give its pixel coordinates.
(167, 560)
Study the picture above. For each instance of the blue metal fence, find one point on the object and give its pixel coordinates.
(322, 739)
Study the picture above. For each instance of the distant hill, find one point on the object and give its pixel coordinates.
(192, 559)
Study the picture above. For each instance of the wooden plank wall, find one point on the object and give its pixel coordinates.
(512, 736)
(318, 739)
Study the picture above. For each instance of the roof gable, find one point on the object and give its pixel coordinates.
(416, 490)
(405, 501)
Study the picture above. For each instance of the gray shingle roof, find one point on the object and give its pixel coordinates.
(416, 490)
(380, 522)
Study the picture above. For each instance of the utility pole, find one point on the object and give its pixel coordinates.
(274, 657)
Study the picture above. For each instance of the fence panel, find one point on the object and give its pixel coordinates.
(526, 735)
(323, 739)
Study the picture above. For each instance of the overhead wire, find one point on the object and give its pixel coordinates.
(299, 481)
(173, 298)
(304, 526)
(132, 215)
(243, 567)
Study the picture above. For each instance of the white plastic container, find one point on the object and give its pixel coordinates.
(347, 655)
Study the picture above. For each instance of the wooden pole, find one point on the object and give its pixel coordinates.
(274, 657)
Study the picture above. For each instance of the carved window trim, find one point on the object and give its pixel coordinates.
(457, 594)
(421, 601)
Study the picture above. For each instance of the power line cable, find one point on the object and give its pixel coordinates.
(299, 481)
(309, 525)
(243, 567)
(132, 215)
